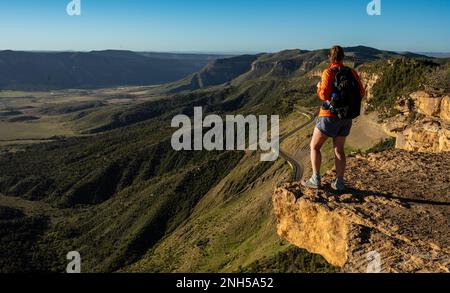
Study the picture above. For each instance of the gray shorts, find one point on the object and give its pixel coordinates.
(334, 127)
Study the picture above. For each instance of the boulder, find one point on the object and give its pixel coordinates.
(427, 104)
(445, 109)
(425, 136)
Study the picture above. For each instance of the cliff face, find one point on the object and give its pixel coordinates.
(309, 224)
(216, 72)
(430, 132)
(287, 63)
(423, 120)
(281, 68)
(390, 220)
(369, 80)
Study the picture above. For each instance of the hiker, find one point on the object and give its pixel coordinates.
(342, 91)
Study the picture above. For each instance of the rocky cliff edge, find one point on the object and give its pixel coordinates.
(394, 217)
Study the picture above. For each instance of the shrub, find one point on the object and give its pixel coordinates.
(399, 77)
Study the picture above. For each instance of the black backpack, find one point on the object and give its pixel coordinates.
(347, 101)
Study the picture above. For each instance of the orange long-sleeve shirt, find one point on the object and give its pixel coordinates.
(326, 87)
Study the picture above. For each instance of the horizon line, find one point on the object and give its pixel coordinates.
(206, 52)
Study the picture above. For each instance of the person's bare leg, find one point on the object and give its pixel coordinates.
(340, 160)
(317, 142)
(339, 155)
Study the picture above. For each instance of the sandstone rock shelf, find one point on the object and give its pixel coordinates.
(397, 208)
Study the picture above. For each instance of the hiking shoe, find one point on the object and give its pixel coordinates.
(338, 185)
(313, 183)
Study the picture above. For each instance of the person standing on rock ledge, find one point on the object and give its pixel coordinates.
(342, 91)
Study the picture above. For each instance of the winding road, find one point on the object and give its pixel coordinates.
(295, 161)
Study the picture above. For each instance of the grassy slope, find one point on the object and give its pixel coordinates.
(230, 229)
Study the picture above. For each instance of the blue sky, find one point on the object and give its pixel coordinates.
(224, 25)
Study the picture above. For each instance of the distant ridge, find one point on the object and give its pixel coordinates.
(21, 70)
(435, 54)
(59, 70)
(279, 64)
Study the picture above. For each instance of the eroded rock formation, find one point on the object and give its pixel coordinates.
(429, 130)
(395, 215)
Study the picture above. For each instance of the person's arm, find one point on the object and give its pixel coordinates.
(362, 90)
(324, 89)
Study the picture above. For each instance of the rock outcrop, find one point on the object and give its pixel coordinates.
(445, 109)
(430, 131)
(287, 63)
(426, 135)
(432, 106)
(281, 68)
(394, 218)
(369, 80)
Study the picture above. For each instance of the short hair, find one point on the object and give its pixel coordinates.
(337, 54)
